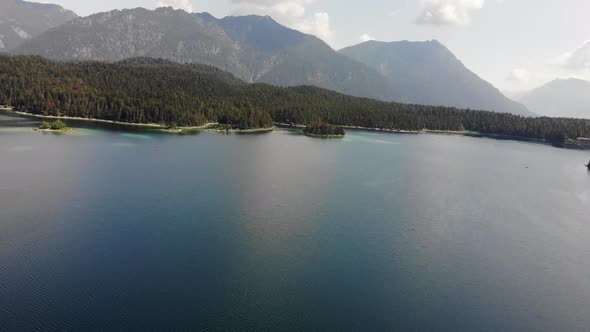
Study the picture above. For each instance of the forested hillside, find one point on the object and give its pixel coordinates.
(257, 49)
(158, 91)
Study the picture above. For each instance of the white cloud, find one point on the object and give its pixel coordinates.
(578, 59)
(292, 13)
(365, 37)
(178, 4)
(448, 12)
(522, 75)
(318, 24)
(279, 9)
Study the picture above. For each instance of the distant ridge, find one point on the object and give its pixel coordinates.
(428, 73)
(257, 49)
(21, 21)
(560, 98)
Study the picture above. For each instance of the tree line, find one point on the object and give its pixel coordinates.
(147, 90)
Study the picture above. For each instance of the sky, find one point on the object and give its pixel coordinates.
(516, 45)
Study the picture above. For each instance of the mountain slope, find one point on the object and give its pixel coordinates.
(257, 49)
(254, 48)
(560, 98)
(286, 57)
(427, 72)
(120, 34)
(22, 20)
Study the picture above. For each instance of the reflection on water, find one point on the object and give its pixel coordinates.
(107, 229)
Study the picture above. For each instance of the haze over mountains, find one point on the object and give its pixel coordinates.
(560, 98)
(428, 73)
(21, 21)
(257, 49)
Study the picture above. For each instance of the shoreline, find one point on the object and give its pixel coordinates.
(413, 132)
(163, 128)
(324, 136)
(181, 130)
(146, 125)
(243, 131)
(55, 131)
(76, 118)
(396, 131)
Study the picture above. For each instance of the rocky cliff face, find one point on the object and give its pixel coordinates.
(21, 21)
(120, 34)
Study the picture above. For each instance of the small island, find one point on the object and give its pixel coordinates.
(323, 129)
(56, 126)
(588, 165)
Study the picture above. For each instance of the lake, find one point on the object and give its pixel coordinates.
(110, 229)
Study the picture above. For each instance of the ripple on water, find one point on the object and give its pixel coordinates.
(14, 130)
(20, 148)
(369, 139)
(136, 136)
(124, 144)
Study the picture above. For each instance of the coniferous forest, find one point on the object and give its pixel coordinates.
(144, 90)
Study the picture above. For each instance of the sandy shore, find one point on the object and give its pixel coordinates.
(182, 129)
(179, 130)
(154, 125)
(55, 131)
(163, 128)
(398, 131)
(150, 125)
(423, 131)
(243, 131)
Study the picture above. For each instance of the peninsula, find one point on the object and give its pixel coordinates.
(322, 129)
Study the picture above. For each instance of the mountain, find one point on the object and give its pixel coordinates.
(281, 56)
(21, 21)
(254, 48)
(560, 98)
(121, 34)
(257, 49)
(428, 73)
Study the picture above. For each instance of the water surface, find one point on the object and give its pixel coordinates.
(104, 229)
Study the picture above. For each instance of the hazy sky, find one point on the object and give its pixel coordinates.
(514, 44)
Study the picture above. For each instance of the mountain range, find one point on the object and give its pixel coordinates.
(21, 21)
(428, 73)
(560, 98)
(257, 49)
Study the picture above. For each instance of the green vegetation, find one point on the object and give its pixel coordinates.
(56, 125)
(158, 91)
(245, 120)
(320, 128)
